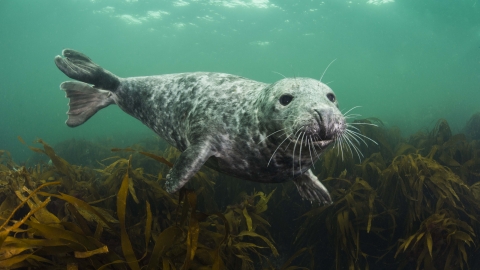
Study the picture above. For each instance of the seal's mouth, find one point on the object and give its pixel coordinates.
(323, 143)
(330, 127)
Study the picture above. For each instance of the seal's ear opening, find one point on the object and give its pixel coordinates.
(85, 101)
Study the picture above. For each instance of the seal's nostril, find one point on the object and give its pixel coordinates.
(319, 115)
(323, 124)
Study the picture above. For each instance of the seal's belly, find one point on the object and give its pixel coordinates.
(257, 169)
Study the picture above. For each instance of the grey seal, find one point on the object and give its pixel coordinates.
(268, 133)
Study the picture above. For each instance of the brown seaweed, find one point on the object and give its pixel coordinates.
(85, 236)
(408, 203)
(399, 191)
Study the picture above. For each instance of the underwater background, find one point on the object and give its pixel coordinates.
(407, 62)
(92, 197)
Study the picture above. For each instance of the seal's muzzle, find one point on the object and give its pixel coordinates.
(331, 124)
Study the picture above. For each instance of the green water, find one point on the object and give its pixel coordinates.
(408, 63)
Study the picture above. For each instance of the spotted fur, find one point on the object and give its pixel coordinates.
(232, 124)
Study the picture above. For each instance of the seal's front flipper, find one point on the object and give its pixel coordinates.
(311, 189)
(85, 101)
(187, 165)
(78, 66)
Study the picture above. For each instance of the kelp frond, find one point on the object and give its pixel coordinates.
(98, 227)
(409, 203)
(439, 243)
(347, 220)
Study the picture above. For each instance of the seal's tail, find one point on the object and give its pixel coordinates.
(78, 66)
(85, 100)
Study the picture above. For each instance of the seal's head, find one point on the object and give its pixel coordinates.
(305, 109)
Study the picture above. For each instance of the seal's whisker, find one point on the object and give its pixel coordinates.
(347, 145)
(346, 113)
(272, 134)
(367, 124)
(292, 139)
(350, 143)
(354, 127)
(279, 74)
(361, 135)
(287, 145)
(276, 150)
(317, 156)
(337, 144)
(315, 137)
(335, 141)
(345, 148)
(310, 150)
(357, 147)
(359, 152)
(327, 69)
(355, 115)
(300, 152)
(293, 154)
(341, 145)
(356, 136)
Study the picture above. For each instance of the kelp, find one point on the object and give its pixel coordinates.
(95, 230)
(420, 187)
(408, 203)
(439, 243)
(349, 222)
(384, 205)
(456, 151)
(472, 128)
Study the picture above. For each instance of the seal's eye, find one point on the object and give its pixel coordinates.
(285, 99)
(331, 97)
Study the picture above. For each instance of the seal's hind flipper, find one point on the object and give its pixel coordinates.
(78, 66)
(312, 189)
(187, 164)
(85, 101)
